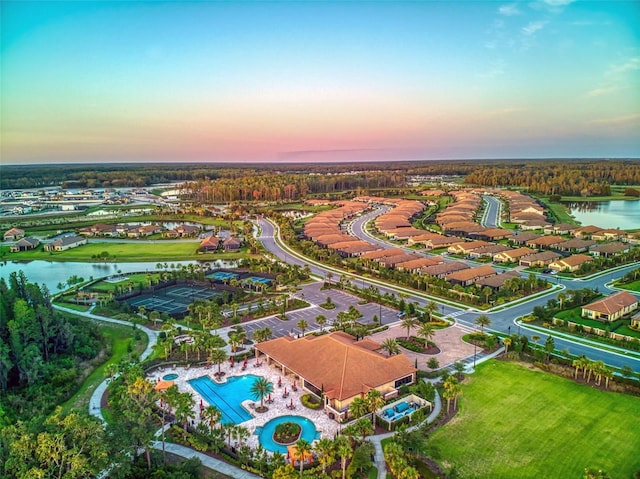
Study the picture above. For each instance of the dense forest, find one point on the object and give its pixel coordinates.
(571, 178)
(41, 352)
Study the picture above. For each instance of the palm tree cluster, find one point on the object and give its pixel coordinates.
(597, 369)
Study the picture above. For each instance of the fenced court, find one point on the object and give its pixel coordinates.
(257, 279)
(173, 300)
(223, 276)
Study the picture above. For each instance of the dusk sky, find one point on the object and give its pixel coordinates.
(318, 81)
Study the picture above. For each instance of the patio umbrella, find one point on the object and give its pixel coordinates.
(294, 384)
(291, 404)
(285, 389)
(269, 398)
(279, 382)
(245, 362)
(231, 361)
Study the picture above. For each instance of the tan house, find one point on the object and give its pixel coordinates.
(24, 244)
(586, 232)
(209, 245)
(609, 235)
(469, 276)
(338, 368)
(571, 263)
(609, 249)
(65, 243)
(466, 247)
(540, 259)
(512, 255)
(612, 307)
(231, 244)
(545, 242)
(13, 234)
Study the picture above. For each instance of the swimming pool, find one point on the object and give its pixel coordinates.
(170, 377)
(228, 396)
(265, 433)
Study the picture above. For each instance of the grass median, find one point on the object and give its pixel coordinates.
(517, 422)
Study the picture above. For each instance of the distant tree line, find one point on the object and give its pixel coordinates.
(570, 178)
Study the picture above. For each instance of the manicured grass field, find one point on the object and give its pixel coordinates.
(159, 251)
(516, 422)
(633, 286)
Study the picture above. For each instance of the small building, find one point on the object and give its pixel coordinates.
(488, 251)
(441, 270)
(497, 281)
(24, 244)
(13, 234)
(65, 243)
(575, 245)
(545, 242)
(571, 263)
(586, 232)
(611, 308)
(540, 259)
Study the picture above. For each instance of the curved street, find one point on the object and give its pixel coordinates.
(502, 321)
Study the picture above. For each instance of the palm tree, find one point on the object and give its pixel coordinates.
(483, 321)
(431, 308)
(184, 410)
(211, 415)
(425, 331)
(358, 407)
(409, 323)
(451, 391)
(261, 387)
(321, 319)
(535, 338)
(374, 401)
(325, 451)
(303, 448)
(507, 342)
(390, 345)
(344, 451)
(218, 356)
(302, 325)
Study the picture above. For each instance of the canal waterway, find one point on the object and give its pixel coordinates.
(623, 214)
(50, 273)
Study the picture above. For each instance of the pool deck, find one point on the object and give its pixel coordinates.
(327, 427)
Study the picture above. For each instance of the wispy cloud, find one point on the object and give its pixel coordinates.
(632, 119)
(533, 27)
(628, 65)
(558, 3)
(509, 10)
(602, 91)
(505, 111)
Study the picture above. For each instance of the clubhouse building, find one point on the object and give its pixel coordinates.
(338, 368)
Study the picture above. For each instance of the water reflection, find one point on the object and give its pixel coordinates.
(623, 214)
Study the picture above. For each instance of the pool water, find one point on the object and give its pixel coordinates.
(265, 433)
(228, 396)
(170, 377)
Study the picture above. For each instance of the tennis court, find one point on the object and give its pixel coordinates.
(174, 300)
(257, 279)
(223, 276)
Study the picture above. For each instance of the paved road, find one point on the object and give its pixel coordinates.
(501, 321)
(491, 214)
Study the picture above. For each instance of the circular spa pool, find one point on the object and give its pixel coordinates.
(265, 433)
(170, 377)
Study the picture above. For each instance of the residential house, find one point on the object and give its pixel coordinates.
(65, 243)
(231, 244)
(522, 238)
(492, 234)
(575, 245)
(611, 308)
(466, 247)
(609, 249)
(586, 232)
(512, 255)
(488, 251)
(415, 265)
(469, 276)
(609, 235)
(441, 270)
(571, 263)
(209, 244)
(539, 260)
(24, 244)
(545, 242)
(13, 234)
(559, 229)
(497, 281)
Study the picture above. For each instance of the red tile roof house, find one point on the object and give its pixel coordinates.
(570, 264)
(13, 234)
(469, 276)
(609, 235)
(209, 244)
(574, 245)
(338, 368)
(585, 232)
(231, 244)
(466, 247)
(545, 242)
(611, 308)
(539, 259)
(441, 270)
(488, 251)
(522, 238)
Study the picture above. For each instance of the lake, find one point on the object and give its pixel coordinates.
(50, 273)
(623, 214)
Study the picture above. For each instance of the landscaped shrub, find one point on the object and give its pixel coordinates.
(311, 401)
(287, 432)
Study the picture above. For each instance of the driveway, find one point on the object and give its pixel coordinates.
(449, 340)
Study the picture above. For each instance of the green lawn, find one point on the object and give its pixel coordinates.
(633, 286)
(517, 423)
(119, 338)
(125, 252)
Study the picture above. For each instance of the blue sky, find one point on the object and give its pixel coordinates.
(318, 81)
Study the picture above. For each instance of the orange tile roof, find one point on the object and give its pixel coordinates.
(337, 363)
(613, 303)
